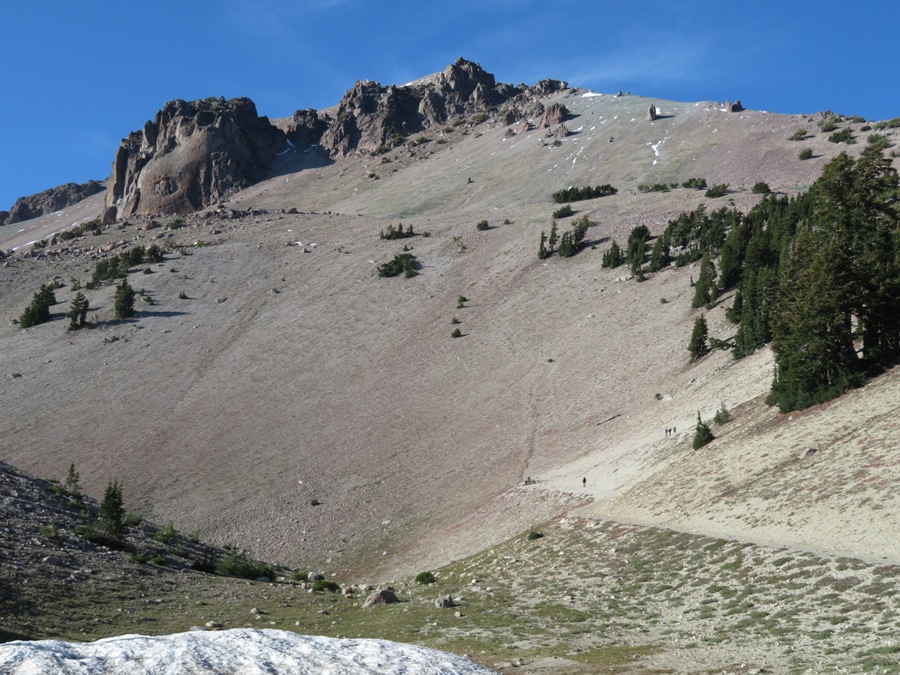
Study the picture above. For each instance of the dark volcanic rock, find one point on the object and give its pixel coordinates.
(306, 128)
(371, 117)
(50, 200)
(191, 155)
(4, 217)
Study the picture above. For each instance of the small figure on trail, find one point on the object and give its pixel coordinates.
(584, 482)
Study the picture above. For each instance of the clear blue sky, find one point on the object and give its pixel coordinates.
(76, 77)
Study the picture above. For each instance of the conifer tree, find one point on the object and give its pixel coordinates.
(698, 345)
(705, 287)
(112, 511)
(542, 250)
(124, 300)
(702, 434)
(554, 238)
(78, 312)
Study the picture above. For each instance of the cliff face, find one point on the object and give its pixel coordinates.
(370, 116)
(191, 155)
(195, 153)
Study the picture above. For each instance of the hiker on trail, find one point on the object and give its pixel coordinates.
(584, 482)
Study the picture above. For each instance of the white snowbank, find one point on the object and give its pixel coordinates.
(590, 94)
(246, 651)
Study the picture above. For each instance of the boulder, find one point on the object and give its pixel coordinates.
(444, 602)
(554, 114)
(651, 112)
(383, 597)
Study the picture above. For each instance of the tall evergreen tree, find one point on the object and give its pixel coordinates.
(698, 345)
(78, 312)
(124, 300)
(112, 511)
(705, 288)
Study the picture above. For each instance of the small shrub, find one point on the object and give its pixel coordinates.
(456, 333)
(461, 299)
(454, 321)
(715, 191)
(482, 225)
(843, 136)
(239, 564)
(132, 519)
(879, 141)
(300, 575)
(194, 537)
(49, 531)
(829, 124)
(507, 221)
(799, 135)
(176, 224)
(696, 183)
(425, 578)
(402, 263)
(805, 153)
(534, 534)
(722, 415)
(324, 585)
(182, 296)
(157, 559)
(167, 534)
(314, 502)
(564, 211)
(761, 188)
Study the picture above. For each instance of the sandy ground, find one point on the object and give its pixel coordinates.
(293, 374)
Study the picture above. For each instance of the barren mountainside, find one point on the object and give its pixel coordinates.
(273, 390)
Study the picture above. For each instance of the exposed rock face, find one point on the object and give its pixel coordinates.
(554, 114)
(50, 200)
(371, 116)
(4, 217)
(306, 128)
(191, 155)
(195, 153)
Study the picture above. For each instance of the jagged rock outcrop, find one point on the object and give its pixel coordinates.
(195, 153)
(50, 200)
(554, 114)
(192, 154)
(306, 127)
(4, 217)
(371, 116)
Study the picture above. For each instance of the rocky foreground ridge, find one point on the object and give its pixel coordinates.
(193, 154)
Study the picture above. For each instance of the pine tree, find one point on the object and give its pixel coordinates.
(71, 483)
(566, 245)
(698, 345)
(112, 511)
(554, 238)
(78, 312)
(702, 434)
(543, 253)
(124, 300)
(613, 257)
(705, 287)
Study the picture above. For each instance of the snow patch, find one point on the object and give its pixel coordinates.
(243, 650)
(590, 94)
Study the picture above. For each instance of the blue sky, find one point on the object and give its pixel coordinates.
(77, 77)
